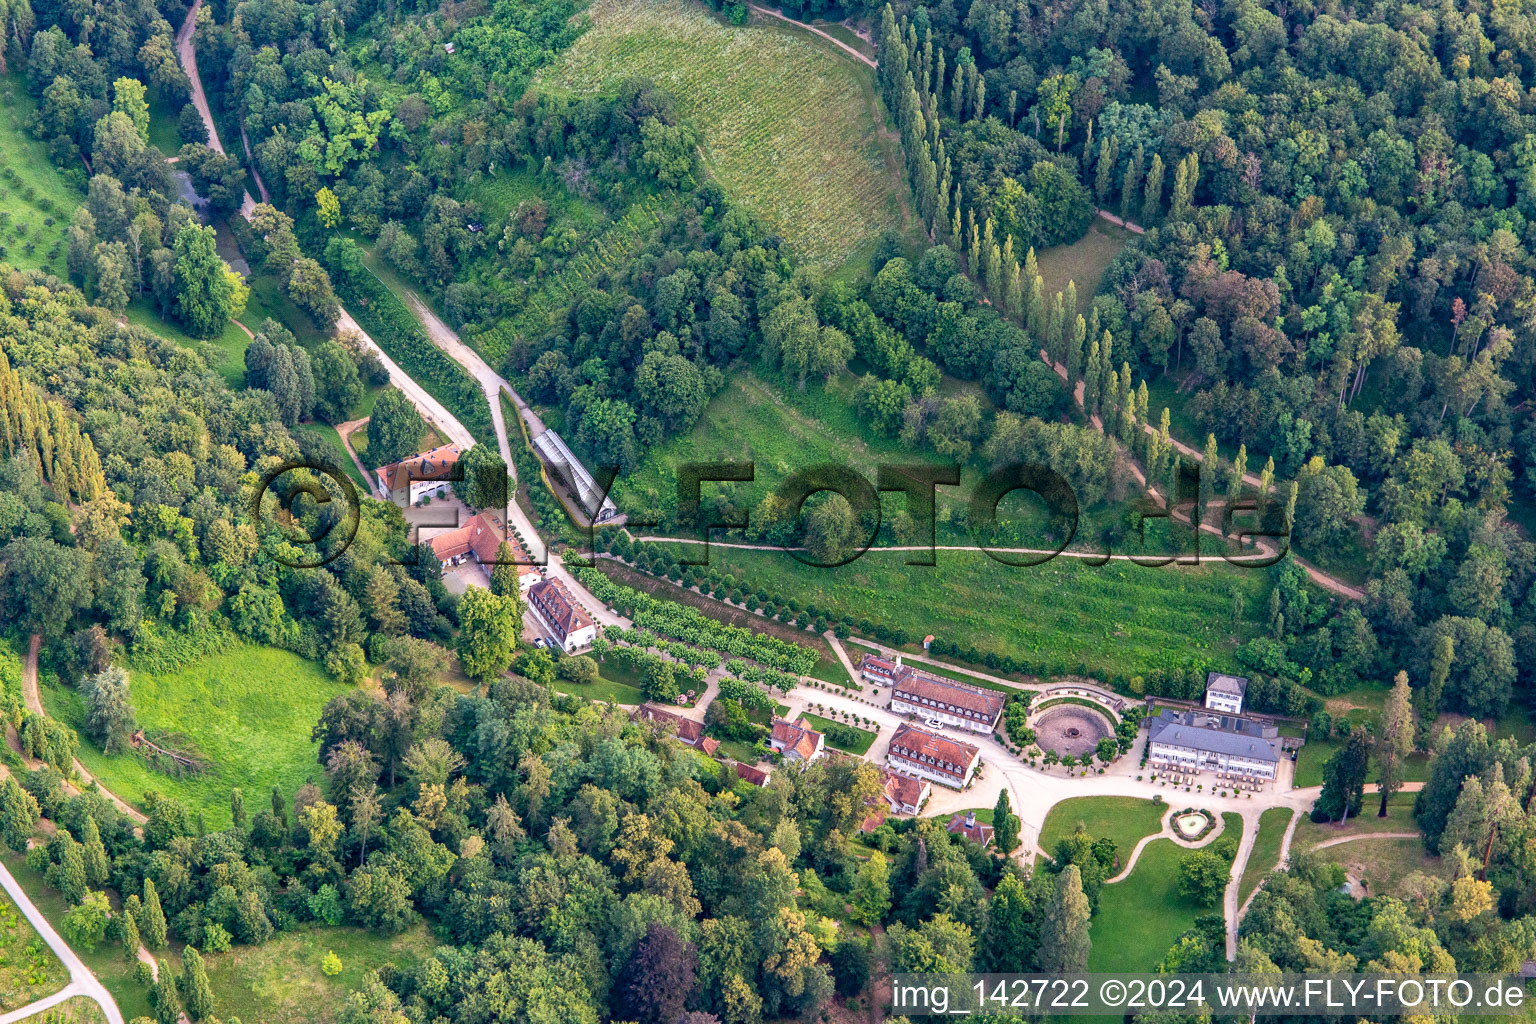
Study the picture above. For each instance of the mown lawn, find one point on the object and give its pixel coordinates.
(1083, 262)
(1266, 850)
(858, 749)
(248, 711)
(328, 434)
(33, 192)
(602, 689)
(1124, 819)
(1139, 918)
(789, 121)
(1382, 864)
(28, 969)
(1399, 819)
(1314, 755)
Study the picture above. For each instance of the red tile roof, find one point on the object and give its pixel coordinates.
(709, 745)
(689, 731)
(934, 752)
(432, 465)
(972, 829)
(756, 776)
(956, 698)
(874, 821)
(795, 738)
(482, 535)
(558, 607)
(904, 789)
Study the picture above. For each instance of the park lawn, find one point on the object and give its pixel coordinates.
(225, 354)
(281, 980)
(164, 120)
(1083, 262)
(1399, 819)
(602, 689)
(1315, 753)
(328, 434)
(1382, 864)
(1266, 850)
(32, 190)
(74, 1010)
(1139, 918)
(790, 123)
(1123, 819)
(858, 749)
(28, 969)
(248, 711)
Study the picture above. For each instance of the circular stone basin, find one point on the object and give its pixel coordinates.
(1189, 825)
(1070, 729)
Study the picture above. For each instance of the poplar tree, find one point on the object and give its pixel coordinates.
(1235, 478)
(128, 935)
(1055, 332)
(1075, 339)
(1130, 183)
(1091, 378)
(96, 866)
(1266, 481)
(1395, 742)
(196, 993)
(1064, 941)
(152, 917)
(1109, 152)
(1152, 196)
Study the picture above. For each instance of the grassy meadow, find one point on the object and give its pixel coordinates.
(790, 122)
(37, 202)
(247, 711)
(1082, 262)
(74, 1010)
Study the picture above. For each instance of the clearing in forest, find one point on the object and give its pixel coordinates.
(789, 122)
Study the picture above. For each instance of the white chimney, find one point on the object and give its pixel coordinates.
(970, 819)
(898, 661)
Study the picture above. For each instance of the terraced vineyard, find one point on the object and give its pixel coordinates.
(555, 295)
(789, 123)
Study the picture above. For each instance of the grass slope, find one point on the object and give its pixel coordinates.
(1140, 918)
(1382, 864)
(1266, 850)
(1083, 262)
(248, 710)
(1125, 819)
(789, 121)
(282, 981)
(1399, 819)
(32, 190)
(1121, 618)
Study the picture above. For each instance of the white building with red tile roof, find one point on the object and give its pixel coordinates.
(480, 539)
(408, 481)
(928, 755)
(562, 615)
(954, 703)
(796, 741)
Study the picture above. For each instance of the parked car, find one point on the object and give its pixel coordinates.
(933, 723)
(538, 642)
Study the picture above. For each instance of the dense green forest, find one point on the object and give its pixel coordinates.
(1327, 271)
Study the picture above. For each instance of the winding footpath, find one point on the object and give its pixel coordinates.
(35, 704)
